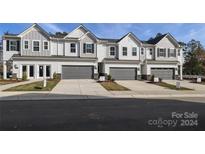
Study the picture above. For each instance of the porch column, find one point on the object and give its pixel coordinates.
(44, 71)
(181, 72)
(36, 71)
(4, 70)
(20, 71)
(27, 71)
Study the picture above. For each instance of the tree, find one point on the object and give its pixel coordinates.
(158, 35)
(195, 59)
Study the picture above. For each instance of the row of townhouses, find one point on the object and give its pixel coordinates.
(82, 55)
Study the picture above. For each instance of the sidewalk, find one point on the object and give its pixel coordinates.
(48, 95)
(6, 86)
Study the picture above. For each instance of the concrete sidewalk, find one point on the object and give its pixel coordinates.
(6, 86)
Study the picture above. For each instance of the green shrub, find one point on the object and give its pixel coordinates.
(55, 76)
(109, 77)
(160, 79)
(24, 78)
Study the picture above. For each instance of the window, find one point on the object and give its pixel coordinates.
(134, 51)
(150, 51)
(112, 51)
(45, 45)
(142, 51)
(13, 45)
(179, 52)
(124, 51)
(25, 45)
(172, 52)
(72, 47)
(162, 53)
(88, 48)
(36, 46)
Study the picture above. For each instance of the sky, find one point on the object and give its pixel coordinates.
(181, 31)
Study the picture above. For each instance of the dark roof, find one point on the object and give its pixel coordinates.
(109, 40)
(156, 39)
(58, 35)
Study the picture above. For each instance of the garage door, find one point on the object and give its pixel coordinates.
(123, 73)
(77, 72)
(163, 73)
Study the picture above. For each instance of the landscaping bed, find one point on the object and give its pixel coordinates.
(36, 86)
(113, 86)
(169, 86)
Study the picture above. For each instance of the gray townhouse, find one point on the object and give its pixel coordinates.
(82, 55)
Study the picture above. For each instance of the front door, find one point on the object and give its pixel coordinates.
(40, 70)
(31, 71)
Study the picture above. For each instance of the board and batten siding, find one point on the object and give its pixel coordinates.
(31, 36)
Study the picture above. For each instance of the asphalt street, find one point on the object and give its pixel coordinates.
(103, 114)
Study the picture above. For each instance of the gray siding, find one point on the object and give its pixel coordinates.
(34, 34)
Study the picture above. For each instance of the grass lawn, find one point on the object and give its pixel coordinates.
(170, 86)
(113, 86)
(35, 86)
(4, 82)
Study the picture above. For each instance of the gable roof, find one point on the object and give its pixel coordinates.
(87, 31)
(133, 35)
(36, 26)
(156, 39)
(159, 38)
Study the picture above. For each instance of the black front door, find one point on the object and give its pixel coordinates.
(41, 71)
(31, 73)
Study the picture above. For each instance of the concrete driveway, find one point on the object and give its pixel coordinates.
(143, 87)
(188, 84)
(80, 87)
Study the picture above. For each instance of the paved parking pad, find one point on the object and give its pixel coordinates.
(80, 87)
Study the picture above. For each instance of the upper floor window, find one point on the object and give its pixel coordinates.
(124, 51)
(26, 44)
(161, 52)
(112, 51)
(179, 52)
(142, 51)
(88, 48)
(72, 47)
(13, 45)
(150, 51)
(36, 45)
(134, 51)
(45, 45)
(171, 52)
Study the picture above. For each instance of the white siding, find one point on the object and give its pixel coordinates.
(60, 48)
(54, 47)
(68, 51)
(101, 52)
(129, 43)
(77, 33)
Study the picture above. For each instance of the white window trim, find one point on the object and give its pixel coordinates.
(39, 45)
(170, 52)
(163, 51)
(75, 47)
(43, 46)
(10, 45)
(24, 44)
(87, 48)
(134, 51)
(110, 51)
(125, 51)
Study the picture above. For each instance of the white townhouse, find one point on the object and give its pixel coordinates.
(82, 55)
